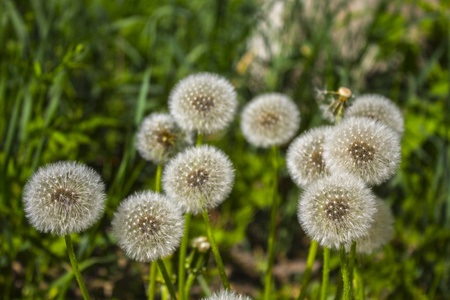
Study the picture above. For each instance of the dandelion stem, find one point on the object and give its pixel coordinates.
(182, 258)
(345, 273)
(215, 250)
(273, 227)
(326, 273)
(308, 270)
(76, 270)
(167, 279)
(351, 265)
(359, 289)
(194, 272)
(152, 279)
(199, 139)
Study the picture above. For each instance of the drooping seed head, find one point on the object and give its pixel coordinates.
(64, 197)
(270, 119)
(226, 295)
(379, 108)
(159, 138)
(304, 157)
(148, 226)
(364, 147)
(204, 102)
(336, 210)
(199, 178)
(380, 232)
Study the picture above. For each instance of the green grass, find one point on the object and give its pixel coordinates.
(77, 78)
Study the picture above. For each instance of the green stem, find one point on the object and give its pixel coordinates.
(182, 258)
(308, 270)
(345, 273)
(76, 270)
(152, 285)
(351, 265)
(167, 279)
(199, 138)
(326, 273)
(215, 250)
(152, 279)
(273, 227)
(194, 272)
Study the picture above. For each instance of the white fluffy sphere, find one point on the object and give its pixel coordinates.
(148, 226)
(226, 295)
(270, 119)
(64, 197)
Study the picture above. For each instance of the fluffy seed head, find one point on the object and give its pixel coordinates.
(148, 226)
(304, 157)
(379, 108)
(199, 178)
(336, 210)
(204, 102)
(380, 232)
(64, 197)
(226, 295)
(270, 119)
(363, 147)
(159, 137)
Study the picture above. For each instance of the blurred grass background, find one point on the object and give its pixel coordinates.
(77, 78)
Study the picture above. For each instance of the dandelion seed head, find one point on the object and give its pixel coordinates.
(148, 226)
(199, 178)
(304, 157)
(379, 233)
(226, 295)
(336, 210)
(204, 102)
(159, 138)
(64, 197)
(270, 119)
(379, 108)
(364, 147)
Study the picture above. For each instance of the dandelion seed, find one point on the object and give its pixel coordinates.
(379, 108)
(148, 226)
(270, 119)
(337, 210)
(204, 102)
(226, 295)
(64, 197)
(159, 138)
(380, 232)
(364, 147)
(304, 157)
(199, 179)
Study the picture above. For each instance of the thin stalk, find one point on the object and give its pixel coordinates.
(325, 273)
(273, 226)
(194, 272)
(76, 270)
(308, 270)
(167, 279)
(345, 274)
(199, 138)
(351, 265)
(339, 287)
(152, 279)
(215, 250)
(182, 258)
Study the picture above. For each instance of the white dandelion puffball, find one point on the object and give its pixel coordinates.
(379, 108)
(226, 295)
(304, 157)
(270, 119)
(204, 102)
(199, 178)
(363, 147)
(64, 197)
(159, 138)
(337, 210)
(148, 226)
(381, 231)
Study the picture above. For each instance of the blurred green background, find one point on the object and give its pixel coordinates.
(77, 78)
